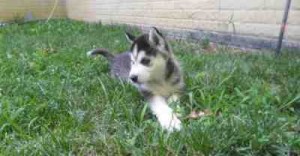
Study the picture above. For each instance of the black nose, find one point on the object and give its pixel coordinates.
(134, 78)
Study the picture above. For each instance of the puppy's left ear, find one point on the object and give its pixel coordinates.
(156, 38)
(130, 37)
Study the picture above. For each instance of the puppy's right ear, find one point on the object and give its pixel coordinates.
(130, 37)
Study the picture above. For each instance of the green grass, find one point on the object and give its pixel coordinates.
(56, 101)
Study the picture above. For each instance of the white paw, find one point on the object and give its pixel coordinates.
(89, 53)
(164, 114)
(170, 122)
(172, 99)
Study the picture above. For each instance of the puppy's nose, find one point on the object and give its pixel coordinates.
(134, 78)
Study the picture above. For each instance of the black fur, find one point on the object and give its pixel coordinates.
(167, 47)
(146, 94)
(130, 36)
(104, 53)
(142, 43)
(156, 40)
(155, 37)
(170, 68)
(176, 80)
(158, 32)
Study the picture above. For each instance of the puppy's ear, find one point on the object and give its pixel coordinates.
(156, 38)
(130, 37)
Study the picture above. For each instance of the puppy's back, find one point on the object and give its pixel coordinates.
(120, 65)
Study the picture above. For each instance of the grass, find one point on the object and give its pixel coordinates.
(56, 101)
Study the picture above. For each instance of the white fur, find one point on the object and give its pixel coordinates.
(152, 78)
(160, 88)
(138, 69)
(164, 114)
(89, 53)
(145, 74)
(174, 98)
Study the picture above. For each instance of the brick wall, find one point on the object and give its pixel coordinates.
(30, 9)
(219, 20)
(244, 17)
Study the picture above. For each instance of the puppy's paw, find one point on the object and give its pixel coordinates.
(173, 99)
(170, 122)
(89, 53)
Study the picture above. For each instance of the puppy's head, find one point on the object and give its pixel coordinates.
(149, 55)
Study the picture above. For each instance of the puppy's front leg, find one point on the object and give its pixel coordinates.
(164, 113)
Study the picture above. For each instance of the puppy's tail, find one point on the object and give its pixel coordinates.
(102, 52)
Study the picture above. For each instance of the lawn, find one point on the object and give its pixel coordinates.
(54, 100)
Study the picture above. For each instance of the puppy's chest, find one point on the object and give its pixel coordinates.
(162, 89)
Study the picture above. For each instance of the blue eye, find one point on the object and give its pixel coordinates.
(145, 61)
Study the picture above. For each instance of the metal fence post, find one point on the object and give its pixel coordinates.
(283, 26)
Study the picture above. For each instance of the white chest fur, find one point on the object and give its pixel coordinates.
(161, 89)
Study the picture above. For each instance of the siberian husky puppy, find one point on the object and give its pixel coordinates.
(152, 67)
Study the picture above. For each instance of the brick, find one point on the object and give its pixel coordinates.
(294, 17)
(275, 4)
(226, 15)
(241, 4)
(295, 5)
(196, 4)
(204, 14)
(230, 4)
(251, 5)
(151, 21)
(280, 4)
(293, 32)
(172, 14)
(210, 25)
(76, 9)
(38, 9)
(255, 16)
(263, 30)
(260, 18)
(147, 5)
